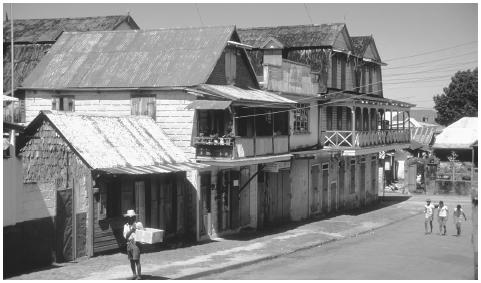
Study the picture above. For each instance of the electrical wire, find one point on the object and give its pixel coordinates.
(431, 51)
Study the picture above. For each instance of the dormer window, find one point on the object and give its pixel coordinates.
(230, 65)
(63, 103)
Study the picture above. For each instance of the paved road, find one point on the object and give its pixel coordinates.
(398, 251)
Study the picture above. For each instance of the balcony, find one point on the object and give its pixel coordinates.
(240, 147)
(360, 139)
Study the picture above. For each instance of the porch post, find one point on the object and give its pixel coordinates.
(255, 132)
(353, 115)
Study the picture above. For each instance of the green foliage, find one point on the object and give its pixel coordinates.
(460, 98)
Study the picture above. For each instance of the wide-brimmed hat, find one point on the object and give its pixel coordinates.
(428, 200)
(130, 213)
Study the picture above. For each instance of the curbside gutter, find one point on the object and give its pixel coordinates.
(273, 256)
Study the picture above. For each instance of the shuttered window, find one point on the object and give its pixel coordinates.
(230, 65)
(143, 106)
(334, 72)
(301, 118)
(343, 74)
(63, 103)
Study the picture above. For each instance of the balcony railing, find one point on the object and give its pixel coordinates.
(339, 139)
(240, 147)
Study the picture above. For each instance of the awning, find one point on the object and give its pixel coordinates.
(209, 104)
(154, 169)
(7, 98)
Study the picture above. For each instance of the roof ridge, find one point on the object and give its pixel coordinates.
(71, 18)
(287, 26)
(67, 113)
(149, 30)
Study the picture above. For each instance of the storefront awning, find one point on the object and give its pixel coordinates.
(154, 169)
(209, 104)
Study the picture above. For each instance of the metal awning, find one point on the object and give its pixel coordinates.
(154, 169)
(209, 104)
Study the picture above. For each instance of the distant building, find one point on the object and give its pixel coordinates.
(424, 116)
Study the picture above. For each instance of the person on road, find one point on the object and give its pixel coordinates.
(442, 217)
(133, 250)
(428, 216)
(457, 217)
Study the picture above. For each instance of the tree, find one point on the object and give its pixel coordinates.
(460, 98)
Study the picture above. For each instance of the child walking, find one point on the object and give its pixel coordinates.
(457, 215)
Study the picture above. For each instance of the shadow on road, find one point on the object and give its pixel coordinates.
(250, 233)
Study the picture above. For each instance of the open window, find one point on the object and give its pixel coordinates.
(143, 105)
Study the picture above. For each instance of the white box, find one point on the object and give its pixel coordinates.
(149, 235)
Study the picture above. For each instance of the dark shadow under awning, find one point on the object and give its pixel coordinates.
(209, 104)
(155, 169)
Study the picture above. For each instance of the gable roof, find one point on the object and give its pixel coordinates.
(461, 134)
(48, 30)
(360, 43)
(110, 143)
(323, 35)
(131, 59)
(33, 39)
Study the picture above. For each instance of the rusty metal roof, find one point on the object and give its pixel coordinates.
(128, 144)
(126, 59)
(292, 36)
(238, 94)
(48, 30)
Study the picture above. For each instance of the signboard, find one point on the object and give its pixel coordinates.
(276, 166)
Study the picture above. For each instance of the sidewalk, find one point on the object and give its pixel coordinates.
(245, 248)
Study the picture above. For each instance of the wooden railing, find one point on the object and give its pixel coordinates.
(240, 147)
(336, 139)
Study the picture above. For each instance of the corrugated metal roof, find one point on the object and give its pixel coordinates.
(292, 36)
(461, 134)
(248, 95)
(26, 59)
(125, 143)
(122, 59)
(209, 104)
(36, 30)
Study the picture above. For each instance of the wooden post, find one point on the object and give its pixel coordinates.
(353, 115)
(255, 132)
(273, 129)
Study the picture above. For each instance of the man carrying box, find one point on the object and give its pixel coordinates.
(133, 250)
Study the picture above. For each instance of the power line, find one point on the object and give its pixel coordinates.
(455, 66)
(198, 13)
(435, 60)
(307, 12)
(432, 51)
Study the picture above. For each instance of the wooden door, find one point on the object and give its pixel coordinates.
(333, 205)
(139, 190)
(314, 190)
(64, 226)
(234, 198)
(340, 195)
(362, 192)
(205, 200)
(244, 196)
(325, 188)
(286, 192)
(272, 197)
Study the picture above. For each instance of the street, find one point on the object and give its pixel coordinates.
(397, 251)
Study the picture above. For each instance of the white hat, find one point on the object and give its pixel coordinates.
(130, 213)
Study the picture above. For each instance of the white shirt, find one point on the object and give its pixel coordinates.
(443, 211)
(428, 210)
(128, 227)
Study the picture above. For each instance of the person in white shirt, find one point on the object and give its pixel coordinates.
(442, 217)
(133, 250)
(428, 216)
(458, 216)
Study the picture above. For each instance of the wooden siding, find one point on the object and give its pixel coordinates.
(177, 122)
(243, 76)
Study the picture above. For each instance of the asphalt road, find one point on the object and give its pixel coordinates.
(397, 251)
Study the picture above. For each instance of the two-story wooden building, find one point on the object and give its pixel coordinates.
(199, 87)
(340, 120)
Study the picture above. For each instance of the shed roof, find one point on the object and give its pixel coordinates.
(462, 134)
(122, 144)
(240, 95)
(135, 58)
(293, 36)
(41, 30)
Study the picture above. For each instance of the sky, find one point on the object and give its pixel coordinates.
(422, 44)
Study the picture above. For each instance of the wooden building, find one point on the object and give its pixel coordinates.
(83, 172)
(340, 123)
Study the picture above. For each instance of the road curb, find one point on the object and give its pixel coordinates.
(270, 257)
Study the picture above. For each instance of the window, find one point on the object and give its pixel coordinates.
(230, 65)
(301, 118)
(425, 119)
(334, 72)
(143, 105)
(63, 103)
(339, 118)
(343, 74)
